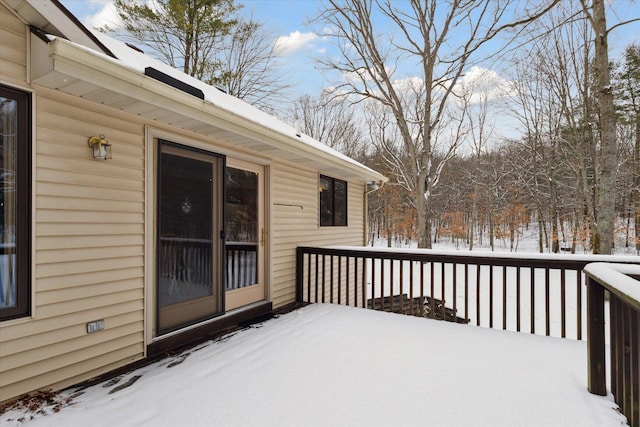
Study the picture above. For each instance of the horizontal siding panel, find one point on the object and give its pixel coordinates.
(87, 229)
(13, 71)
(40, 325)
(10, 22)
(44, 243)
(88, 217)
(10, 35)
(90, 180)
(128, 157)
(86, 254)
(96, 302)
(34, 342)
(47, 283)
(71, 345)
(76, 116)
(70, 204)
(283, 296)
(76, 267)
(13, 54)
(81, 191)
(295, 227)
(70, 375)
(82, 172)
(70, 293)
(71, 360)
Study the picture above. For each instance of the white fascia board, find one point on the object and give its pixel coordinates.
(84, 64)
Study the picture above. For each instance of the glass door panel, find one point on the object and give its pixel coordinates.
(244, 234)
(189, 206)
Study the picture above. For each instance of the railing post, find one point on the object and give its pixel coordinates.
(299, 275)
(595, 338)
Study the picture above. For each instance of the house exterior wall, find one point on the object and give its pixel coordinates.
(293, 226)
(89, 224)
(87, 234)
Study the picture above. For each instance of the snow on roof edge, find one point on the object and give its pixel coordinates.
(137, 61)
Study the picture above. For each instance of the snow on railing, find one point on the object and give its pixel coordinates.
(623, 284)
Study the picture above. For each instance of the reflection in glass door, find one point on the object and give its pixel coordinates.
(244, 234)
(189, 244)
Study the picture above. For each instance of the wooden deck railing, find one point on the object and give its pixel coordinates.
(189, 260)
(623, 284)
(241, 264)
(536, 293)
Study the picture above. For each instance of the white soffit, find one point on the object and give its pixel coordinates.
(83, 72)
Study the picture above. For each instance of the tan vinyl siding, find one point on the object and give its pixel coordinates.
(88, 250)
(293, 226)
(13, 48)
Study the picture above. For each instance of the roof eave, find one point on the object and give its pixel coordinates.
(66, 65)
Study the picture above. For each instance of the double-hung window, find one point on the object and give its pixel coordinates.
(15, 203)
(333, 201)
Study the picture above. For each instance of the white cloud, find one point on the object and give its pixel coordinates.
(485, 83)
(295, 41)
(410, 84)
(106, 15)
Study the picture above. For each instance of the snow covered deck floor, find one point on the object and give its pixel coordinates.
(327, 365)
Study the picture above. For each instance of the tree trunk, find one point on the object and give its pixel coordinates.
(492, 238)
(608, 160)
(423, 197)
(636, 184)
(555, 237)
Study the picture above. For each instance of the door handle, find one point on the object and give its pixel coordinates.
(262, 237)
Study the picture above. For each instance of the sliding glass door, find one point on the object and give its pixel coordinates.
(189, 237)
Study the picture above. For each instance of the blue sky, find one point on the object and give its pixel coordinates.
(285, 18)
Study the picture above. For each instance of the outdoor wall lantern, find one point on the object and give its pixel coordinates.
(101, 147)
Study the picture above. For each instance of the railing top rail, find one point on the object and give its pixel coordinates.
(618, 279)
(474, 257)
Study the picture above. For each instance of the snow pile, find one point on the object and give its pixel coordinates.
(328, 365)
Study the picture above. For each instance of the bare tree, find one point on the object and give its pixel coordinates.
(182, 33)
(475, 100)
(330, 119)
(418, 99)
(207, 40)
(629, 100)
(250, 66)
(605, 195)
(607, 160)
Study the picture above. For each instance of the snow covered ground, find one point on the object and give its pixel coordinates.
(327, 365)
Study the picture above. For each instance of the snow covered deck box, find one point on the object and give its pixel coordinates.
(190, 224)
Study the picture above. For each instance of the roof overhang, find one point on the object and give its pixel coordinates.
(52, 18)
(80, 71)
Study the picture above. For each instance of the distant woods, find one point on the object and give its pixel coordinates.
(544, 182)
